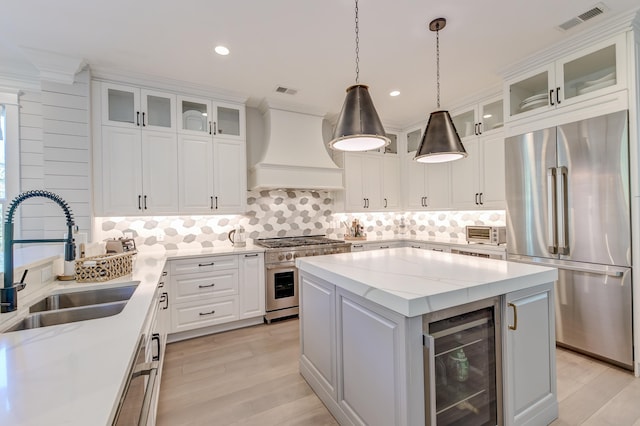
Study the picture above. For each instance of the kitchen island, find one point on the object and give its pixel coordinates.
(363, 317)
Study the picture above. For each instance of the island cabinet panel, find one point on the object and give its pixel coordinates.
(530, 376)
(369, 362)
(318, 320)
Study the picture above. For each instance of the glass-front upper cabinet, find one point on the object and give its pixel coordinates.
(478, 119)
(585, 74)
(126, 106)
(413, 140)
(204, 117)
(392, 148)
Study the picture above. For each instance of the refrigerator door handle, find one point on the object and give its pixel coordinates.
(611, 271)
(563, 219)
(552, 215)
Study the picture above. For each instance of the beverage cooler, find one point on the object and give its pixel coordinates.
(463, 365)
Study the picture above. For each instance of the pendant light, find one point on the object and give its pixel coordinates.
(440, 142)
(358, 128)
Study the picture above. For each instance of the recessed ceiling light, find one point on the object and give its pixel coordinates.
(394, 93)
(222, 50)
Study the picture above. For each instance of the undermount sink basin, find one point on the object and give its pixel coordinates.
(83, 298)
(64, 316)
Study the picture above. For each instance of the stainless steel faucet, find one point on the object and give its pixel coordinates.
(9, 293)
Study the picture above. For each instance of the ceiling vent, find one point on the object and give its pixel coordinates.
(596, 10)
(286, 90)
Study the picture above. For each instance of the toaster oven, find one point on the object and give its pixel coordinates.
(494, 235)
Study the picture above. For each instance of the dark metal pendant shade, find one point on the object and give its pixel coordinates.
(358, 128)
(440, 142)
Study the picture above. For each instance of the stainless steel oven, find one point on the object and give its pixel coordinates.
(282, 274)
(282, 290)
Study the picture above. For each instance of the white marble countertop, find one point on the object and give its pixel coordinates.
(73, 374)
(414, 282)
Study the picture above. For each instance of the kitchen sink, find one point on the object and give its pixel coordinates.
(64, 316)
(84, 298)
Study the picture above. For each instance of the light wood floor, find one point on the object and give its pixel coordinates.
(250, 377)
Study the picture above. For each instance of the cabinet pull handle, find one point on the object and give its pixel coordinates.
(216, 197)
(476, 198)
(364, 203)
(156, 338)
(139, 202)
(415, 247)
(435, 249)
(164, 274)
(165, 295)
(551, 97)
(209, 127)
(207, 285)
(145, 202)
(137, 118)
(161, 284)
(558, 95)
(480, 128)
(215, 128)
(251, 255)
(426, 201)
(475, 129)
(211, 202)
(481, 202)
(207, 313)
(143, 125)
(515, 317)
(385, 203)
(206, 264)
(383, 247)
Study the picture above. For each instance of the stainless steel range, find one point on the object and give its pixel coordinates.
(282, 274)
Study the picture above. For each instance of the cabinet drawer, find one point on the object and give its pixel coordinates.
(187, 316)
(203, 264)
(197, 286)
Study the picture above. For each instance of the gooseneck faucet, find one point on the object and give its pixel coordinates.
(9, 293)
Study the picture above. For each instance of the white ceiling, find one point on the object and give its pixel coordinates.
(302, 44)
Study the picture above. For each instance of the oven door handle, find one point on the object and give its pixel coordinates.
(281, 268)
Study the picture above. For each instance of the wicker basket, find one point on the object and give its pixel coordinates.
(104, 267)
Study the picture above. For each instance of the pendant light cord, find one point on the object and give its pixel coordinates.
(357, 48)
(438, 63)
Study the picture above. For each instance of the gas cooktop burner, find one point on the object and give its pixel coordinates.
(283, 242)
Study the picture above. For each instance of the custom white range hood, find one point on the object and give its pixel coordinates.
(293, 153)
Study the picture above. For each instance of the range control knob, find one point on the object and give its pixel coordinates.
(289, 256)
(281, 257)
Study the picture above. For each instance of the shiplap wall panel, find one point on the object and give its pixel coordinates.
(55, 156)
(31, 162)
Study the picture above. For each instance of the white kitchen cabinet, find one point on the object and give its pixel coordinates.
(430, 246)
(478, 181)
(138, 171)
(363, 174)
(427, 185)
(530, 371)
(252, 285)
(201, 117)
(211, 175)
(391, 182)
(318, 319)
(215, 293)
(132, 107)
(582, 75)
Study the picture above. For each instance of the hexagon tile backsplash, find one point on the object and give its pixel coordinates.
(279, 213)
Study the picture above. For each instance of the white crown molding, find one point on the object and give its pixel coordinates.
(18, 81)
(53, 66)
(166, 84)
(610, 27)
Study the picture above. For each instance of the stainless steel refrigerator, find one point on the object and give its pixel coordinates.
(568, 206)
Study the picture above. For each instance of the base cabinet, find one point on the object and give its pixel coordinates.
(530, 375)
(215, 290)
